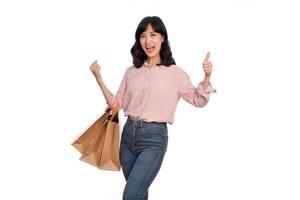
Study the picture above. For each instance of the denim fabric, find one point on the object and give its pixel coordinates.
(142, 149)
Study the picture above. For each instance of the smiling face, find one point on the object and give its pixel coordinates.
(151, 43)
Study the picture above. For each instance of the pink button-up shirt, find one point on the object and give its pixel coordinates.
(152, 94)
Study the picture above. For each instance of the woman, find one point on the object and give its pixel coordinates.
(148, 95)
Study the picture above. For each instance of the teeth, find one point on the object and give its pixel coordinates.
(150, 49)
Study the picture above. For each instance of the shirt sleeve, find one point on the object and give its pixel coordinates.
(196, 96)
(119, 96)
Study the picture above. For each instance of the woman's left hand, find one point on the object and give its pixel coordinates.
(207, 65)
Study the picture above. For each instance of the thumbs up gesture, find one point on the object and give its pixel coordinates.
(207, 65)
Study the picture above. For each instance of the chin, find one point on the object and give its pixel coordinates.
(152, 55)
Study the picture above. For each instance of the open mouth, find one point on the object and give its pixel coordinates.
(149, 49)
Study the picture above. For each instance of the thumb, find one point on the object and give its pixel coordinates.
(207, 56)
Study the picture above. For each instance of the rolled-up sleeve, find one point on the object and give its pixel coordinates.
(196, 96)
(119, 96)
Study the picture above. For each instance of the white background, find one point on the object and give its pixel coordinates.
(243, 145)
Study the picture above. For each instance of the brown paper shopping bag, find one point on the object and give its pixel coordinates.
(99, 144)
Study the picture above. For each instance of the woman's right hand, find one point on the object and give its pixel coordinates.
(95, 69)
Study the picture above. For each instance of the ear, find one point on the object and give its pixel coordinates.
(162, 39)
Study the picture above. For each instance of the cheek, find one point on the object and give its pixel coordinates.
(158, 44)
(142, 41)
(159, 41)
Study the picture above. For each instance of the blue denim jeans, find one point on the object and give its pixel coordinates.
(142, 149)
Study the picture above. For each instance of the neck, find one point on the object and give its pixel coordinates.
(153, 61)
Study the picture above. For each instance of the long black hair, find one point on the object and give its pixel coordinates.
(137, 52)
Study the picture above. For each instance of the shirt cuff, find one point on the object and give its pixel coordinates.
(208, 90)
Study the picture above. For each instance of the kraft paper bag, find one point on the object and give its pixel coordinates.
(100, 143)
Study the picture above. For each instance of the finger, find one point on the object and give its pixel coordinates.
(207, 67)
(207, 63)
(207, 57)
(95, 65)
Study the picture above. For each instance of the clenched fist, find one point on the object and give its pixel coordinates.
(95, 69)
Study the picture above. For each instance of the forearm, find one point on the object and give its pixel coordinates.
(106, 93)
(206, 82)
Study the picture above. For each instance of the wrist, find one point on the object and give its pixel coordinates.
(207, 76)
(99, 79)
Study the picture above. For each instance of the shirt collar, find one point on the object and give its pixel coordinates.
(147, 65)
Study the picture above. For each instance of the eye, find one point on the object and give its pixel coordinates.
(153, 34)
(142, 36)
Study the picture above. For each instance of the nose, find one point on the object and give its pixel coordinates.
(147, 39)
